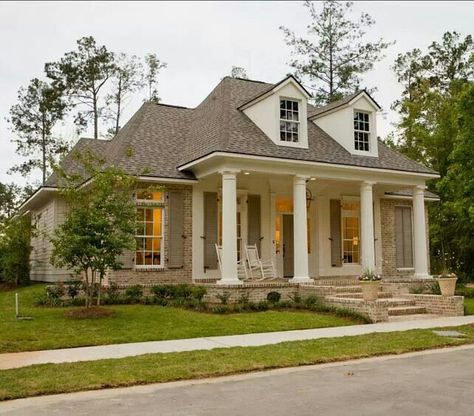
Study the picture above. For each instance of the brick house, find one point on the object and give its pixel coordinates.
(255, 163)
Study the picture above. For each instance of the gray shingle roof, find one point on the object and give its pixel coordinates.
(160, 138)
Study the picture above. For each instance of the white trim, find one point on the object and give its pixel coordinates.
(166, 180)
(410, 197)
(36, 193)
(304, 162)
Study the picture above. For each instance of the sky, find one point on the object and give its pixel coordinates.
(200, 42)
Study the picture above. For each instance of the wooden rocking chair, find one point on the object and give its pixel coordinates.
(265, 269)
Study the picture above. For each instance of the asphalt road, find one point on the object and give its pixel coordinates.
(439, 383)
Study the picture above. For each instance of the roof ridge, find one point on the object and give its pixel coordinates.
(170, 105)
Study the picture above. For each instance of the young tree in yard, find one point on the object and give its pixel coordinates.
(127, 79)
(100, 224)
(32, 119)
(82, 75)
(334, 55)
(153, 68)
(238, 72)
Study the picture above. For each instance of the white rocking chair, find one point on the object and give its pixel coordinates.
(265, 269)
(241, 269)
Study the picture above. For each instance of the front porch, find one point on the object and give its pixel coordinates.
(314, 224)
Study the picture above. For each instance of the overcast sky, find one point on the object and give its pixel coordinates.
(200, 41)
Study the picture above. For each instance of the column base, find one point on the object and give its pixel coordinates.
(300, 279)
(229, 282)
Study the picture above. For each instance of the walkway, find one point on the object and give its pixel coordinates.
(23, 359)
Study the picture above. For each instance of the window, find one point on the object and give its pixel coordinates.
(350, 231)
(289, 121)
(403, 237)
(150, 224)
(361, 131)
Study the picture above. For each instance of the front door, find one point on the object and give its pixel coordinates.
(288, 251)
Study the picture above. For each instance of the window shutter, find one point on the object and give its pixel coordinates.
(176, 230)
(335, 224)
(253, 220)
(126, 259)
(210, 230)
(403, 237)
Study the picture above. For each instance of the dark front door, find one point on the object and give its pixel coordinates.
(288, 250)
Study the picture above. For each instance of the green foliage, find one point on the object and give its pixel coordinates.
(436, 129)
(334, 55)
(73, 288)
(153, 68)
(100, 223)
(134, 293)
(40, 106)
(9, 201)
(15, 248)
(223, 297)
(82, 74)
(127, 79)
(274, 297)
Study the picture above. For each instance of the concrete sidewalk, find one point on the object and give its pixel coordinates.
(23, 359)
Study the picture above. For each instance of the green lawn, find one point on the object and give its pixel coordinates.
(469, 306)
(134, 323)
(152, 368)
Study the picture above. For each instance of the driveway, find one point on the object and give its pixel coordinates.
(428, 383)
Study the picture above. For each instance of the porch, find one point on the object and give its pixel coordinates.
(319, 223)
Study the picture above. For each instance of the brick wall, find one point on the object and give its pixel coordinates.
(387, 218)
(440, 305)
(255, 292)
(128, 275)
(376, 310)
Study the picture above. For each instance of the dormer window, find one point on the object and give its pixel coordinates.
(361, 131)
(289, 121)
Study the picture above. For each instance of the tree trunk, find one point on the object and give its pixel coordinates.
(100, 288)
(119, 106)
(96, 118)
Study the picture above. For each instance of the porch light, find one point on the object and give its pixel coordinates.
(312, 178)
(309, 198)
(246, 173)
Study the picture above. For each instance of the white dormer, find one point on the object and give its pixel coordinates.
(281, 113)
(352, 123)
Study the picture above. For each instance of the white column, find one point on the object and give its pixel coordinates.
(301, 270)
(419, 232)
(367, 226)
(229, 228)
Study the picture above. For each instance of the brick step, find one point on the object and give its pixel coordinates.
(358, 295)
(406, 310)
(346, 282)
(394, 302)
(347, 289)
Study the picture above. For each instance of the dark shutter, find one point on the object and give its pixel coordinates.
(176, 229)
(403, 237)
(335, 224)
(210, 230)
(253, 220)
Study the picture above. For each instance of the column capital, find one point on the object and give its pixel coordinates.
(300, 178)
(367, 184)
(229, 173)
(419, 189)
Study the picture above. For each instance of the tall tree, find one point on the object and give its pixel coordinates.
(40, 106)
(82, 74)
(127, 79)
(335, 54)
(9, 200)
(238, 72)
(153, 68)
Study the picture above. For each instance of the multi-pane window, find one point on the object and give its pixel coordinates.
(350, 232)
(149, 234)
(289, 121)
(361, 131)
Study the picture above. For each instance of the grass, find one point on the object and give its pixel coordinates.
(51, 328)
(469, 306)
(153, 368)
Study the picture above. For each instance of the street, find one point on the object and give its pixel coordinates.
(430, 383)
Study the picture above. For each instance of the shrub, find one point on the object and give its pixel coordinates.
(54, 293)
(112, 292)
(73, 288)
(134, 293)
(223, 297)
(296, 298)
(244, 299)
(417, 290)
(220, 309)
(198, 292)
(274, 297)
